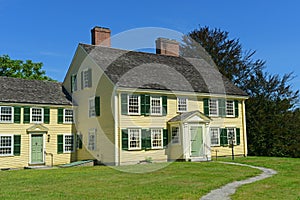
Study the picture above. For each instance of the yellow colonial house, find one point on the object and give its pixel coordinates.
(36, 124)
(134, 106)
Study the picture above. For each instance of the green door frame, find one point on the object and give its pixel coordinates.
(37, 149)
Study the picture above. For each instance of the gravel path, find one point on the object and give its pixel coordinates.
(224, 192)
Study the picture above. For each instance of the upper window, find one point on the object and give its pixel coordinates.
(156, 105)
(181, 104)
(68, 143)
(85, 78)
(92, 109)
(73, 82)
(92, 139)
(156, 138)
(214, 136)
(6, 145)
(175, 135)
(6, 114)
(134, 104)
(68, 116)
(213, 107)
(230, 108)
(36, 115)
(134, 139)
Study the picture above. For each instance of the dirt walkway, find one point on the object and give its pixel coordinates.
(224, 192)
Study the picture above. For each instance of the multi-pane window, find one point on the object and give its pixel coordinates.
(6, 145)
(6, 114)
(231, 135)
(175, 135)
(230, 108)
(68, 143)
(92, 110)
(182, 104)
(214, 136)
(156, 105)
(134, 138)
(213, 107)
(68, 116)
(133, 104)
(85, 78)
(92, 140)
(36, 115)
(156, 138)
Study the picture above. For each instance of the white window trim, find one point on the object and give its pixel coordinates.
(92, 132)
(233, 108)
(89, 108)
(217, 105)
(65, 122)
(32, 115)
(161, 107)
(12, 114)
(85, 83)
(12, 144)
(186, 99)
(161, 138)
(214, 145)
(139, 104)
(234, 130)
(140, 139)
(172, 141)
(64, 146)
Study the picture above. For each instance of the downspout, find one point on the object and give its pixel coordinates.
(244, 127)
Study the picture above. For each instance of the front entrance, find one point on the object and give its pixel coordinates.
(196, 133)
(37, 149)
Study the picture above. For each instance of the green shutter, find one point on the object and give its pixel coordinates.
(124, 139)
(236, 108)
(143, 107)
(206, 106)
(238, 136)
(73, 82)
(147, 104)
(17, 115)
(222, 107)
(17, 145)
(60, 144)
(146, 139)
(89, 77)
(165, 138)
(124, 104)
(60, 115)
(81, 77)
(26, 115)
(223, 137)
(164, 105)
(46, 115)
(97, 105)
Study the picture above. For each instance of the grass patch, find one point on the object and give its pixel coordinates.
(181, 180)
(284, 185)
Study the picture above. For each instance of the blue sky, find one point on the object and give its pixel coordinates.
(49, 31)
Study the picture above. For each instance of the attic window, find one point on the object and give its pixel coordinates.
(86, 78)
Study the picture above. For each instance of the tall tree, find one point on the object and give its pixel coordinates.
(271, 107)
(21, 69)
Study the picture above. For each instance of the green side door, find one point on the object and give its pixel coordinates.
(37, 154)
(196, 141)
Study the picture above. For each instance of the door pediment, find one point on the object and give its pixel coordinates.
(37, 128)
(193, 116)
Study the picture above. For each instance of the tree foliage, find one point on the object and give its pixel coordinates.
(271, 110)
(21, 69)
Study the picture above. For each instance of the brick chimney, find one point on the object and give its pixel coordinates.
(101, 36)
(166, 46)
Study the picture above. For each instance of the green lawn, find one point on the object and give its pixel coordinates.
(284, 185)
(181, 180)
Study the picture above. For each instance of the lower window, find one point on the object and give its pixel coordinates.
(92, 140)
(156, 139)
(6, 145)
(175, 135)
(134, 139)
(68, 143)
(214, 137)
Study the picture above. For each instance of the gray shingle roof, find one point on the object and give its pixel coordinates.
(151, 71)
(186, 115)
(15, 90)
